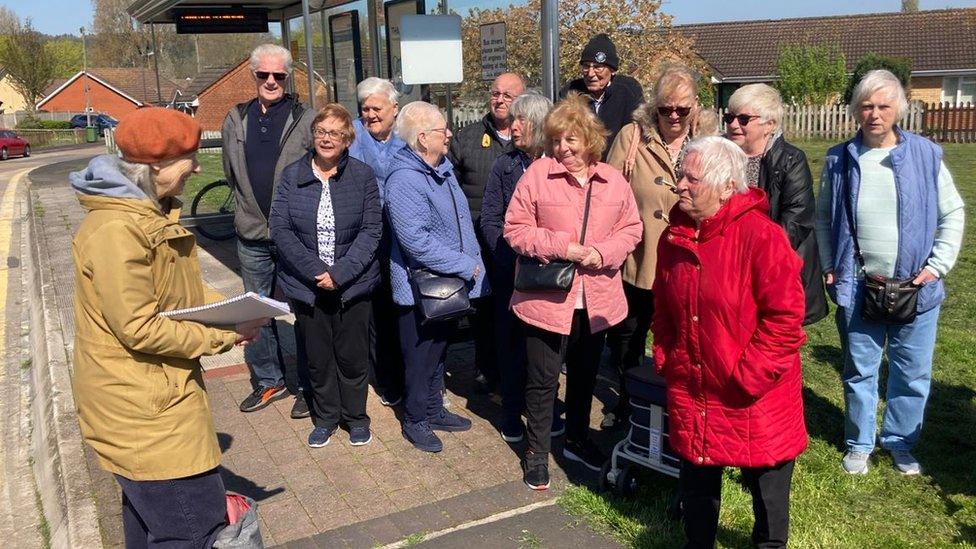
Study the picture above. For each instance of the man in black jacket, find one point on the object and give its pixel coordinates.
(613, 96)
(473, 151)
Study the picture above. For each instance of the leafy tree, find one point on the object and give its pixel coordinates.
(899, 66)
(31, 66)
(810, 74)
(909, 5)
(67, 53)
(641, 32)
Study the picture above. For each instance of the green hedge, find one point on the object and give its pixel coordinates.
(35, 124)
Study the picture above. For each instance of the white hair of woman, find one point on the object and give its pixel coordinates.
(873, 82)
(533, 107)
(416, 117)
(763, 99)
(270, 50)
(373, 86)
(719, 161)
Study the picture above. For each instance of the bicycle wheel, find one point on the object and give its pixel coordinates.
(213, 210)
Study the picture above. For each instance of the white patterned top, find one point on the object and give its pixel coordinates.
(325, 222)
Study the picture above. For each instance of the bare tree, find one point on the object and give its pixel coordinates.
(31, 66)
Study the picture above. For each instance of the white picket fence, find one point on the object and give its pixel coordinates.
(831, 121)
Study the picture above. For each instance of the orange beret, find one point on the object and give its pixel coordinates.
(154, 134)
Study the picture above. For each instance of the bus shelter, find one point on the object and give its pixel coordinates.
(340, 41)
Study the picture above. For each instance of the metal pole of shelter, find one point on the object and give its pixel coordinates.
(549, 21)
(374, 35)
(155, 49)
(286, 42)
(307, 24)
(448, 91)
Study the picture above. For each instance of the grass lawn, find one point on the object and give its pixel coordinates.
(211, 169)
(830, 508)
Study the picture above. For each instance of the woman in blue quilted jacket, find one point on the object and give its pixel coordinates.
(432, 230)
(326, 221)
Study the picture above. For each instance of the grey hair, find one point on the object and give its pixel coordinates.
(373, 86)
(533, 107)
(270, 50)
(765, 100)
(720, 161)
(414, 118)
(873, 82)
(141, 176)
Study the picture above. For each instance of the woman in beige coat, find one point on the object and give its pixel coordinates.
(137, 380)
(649, 152)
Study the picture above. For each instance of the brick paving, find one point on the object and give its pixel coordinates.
(337, 495)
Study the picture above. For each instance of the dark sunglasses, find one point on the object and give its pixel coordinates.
(278, 76)
(742, 118)
(666, 111)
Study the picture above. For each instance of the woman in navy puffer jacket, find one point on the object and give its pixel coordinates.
(326, 222)
(432, 229)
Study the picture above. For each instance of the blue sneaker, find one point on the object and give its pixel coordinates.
(359, 436)
(421, 436)
(319, 437)
(446, 421)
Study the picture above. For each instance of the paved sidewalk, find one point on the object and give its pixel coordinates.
(339, 495)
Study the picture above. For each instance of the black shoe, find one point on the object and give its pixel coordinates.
(299, 410)
(535, 473)
(484, 386)
(262, 397)
(421, 436)
(513, 431)
(586, 453)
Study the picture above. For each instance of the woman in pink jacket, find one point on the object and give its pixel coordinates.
(544, 221)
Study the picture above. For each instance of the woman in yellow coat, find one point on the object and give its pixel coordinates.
(137, 379)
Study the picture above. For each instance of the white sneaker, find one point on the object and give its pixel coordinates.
(905, 462)
(856, 463)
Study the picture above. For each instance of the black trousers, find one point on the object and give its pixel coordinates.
(627, 341)
(385, 360)
(701, 497)
(181, 512)
(546, 352)
(483, 322)
(424, 348)
(510, 346)
(337, 341)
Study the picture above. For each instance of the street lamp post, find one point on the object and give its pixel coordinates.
(84, 69)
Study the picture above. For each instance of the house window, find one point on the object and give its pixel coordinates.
(959, 89)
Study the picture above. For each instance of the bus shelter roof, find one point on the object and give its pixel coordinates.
(161, 11)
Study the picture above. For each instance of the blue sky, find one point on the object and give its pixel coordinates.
(66, 16)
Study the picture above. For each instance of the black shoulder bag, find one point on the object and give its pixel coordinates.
(556, 276)
(440, 297)
(886, 300)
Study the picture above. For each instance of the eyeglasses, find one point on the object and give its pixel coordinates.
(263, 75)
(505, 96)
(595, 67)
(319, 133)
(444, 130)
(743, 119)
(666, 111)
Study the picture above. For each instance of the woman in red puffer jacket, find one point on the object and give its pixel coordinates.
(728, 317)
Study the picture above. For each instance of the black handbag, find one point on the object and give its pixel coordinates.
(885, 300)
(556, 276)
(440, 297)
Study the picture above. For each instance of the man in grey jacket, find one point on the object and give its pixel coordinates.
(262, 137)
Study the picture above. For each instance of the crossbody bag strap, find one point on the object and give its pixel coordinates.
(631, 160)
(586, 211)
(849, 207)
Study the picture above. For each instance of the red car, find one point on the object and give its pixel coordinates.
(12, 144)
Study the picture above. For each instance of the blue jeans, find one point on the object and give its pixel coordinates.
(909, 351)
(263, 355)
(178, 513)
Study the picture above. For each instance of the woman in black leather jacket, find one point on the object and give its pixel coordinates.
(781, 170)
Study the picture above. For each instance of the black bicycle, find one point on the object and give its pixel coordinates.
(212, 211)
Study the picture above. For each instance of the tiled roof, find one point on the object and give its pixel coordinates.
(58, 82)
(206, 78)
(139, 83)
(934, 40)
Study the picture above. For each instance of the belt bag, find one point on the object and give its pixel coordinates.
(439, 297)
(533, 275)
(889, 301)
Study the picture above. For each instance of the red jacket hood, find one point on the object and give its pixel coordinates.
(738, 205)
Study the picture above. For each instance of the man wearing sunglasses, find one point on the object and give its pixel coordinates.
(613, 96)
(261, 137)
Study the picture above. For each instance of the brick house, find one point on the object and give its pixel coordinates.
(217, 91)
(940, 43)
(113, 91)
